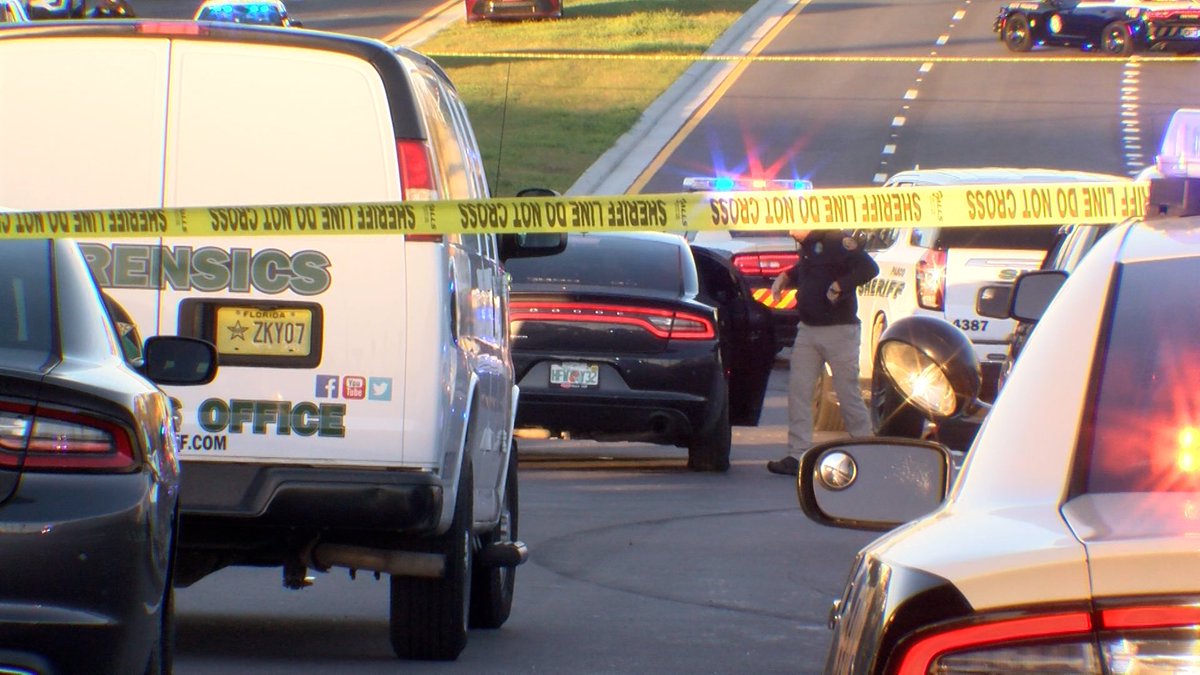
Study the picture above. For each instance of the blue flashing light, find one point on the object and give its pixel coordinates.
(724, 184)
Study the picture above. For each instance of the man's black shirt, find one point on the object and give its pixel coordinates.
(827, 256)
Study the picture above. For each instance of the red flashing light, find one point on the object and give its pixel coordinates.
(662, 323)
(918, 657)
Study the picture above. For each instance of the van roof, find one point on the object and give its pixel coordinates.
(995, 174)
(406, 120)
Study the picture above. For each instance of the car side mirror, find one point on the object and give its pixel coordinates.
(170, 359)
(1033, 292)
(873, 483)
(993, 301)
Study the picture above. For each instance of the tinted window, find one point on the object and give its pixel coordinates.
(1146, 433)
(26, 309)
(1030, 237)
(604, 261)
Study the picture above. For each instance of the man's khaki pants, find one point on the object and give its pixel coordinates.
(814, 347)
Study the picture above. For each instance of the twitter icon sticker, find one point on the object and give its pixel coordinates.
(379, 389)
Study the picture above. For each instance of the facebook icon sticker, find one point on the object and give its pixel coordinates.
(327, 386)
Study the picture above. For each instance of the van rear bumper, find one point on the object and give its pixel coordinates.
(395, 501)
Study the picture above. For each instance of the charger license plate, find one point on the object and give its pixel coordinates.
(1191, 32)
(575, 375)
(257, 331)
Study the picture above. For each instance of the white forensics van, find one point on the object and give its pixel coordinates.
(363, 412)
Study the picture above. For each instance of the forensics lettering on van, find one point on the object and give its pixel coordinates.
(281, 418)
(208, 268)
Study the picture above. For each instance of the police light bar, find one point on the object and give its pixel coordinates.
(731, 184)
(1179, 156)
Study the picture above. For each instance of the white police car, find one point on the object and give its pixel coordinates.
(1068, 542)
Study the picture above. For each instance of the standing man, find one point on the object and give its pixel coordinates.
(831, 267)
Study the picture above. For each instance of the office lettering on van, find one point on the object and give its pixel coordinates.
(208, 268)
(282, 418)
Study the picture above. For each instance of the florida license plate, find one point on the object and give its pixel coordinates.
(258, 331)
(575, 375)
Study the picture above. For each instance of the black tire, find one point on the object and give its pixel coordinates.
(429, 616)
(709, 451)
(492, 587)
(1116, 39)
(1016, 33)
(890, 415)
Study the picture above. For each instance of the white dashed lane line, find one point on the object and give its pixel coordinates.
(1131, 132)
(911, 94)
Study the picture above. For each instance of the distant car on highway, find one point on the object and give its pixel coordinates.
(1067, 543)
(257, 12)
(639, 337)
(513, 9)
(55, 9)
(13, 11)
(1117, 27)
(89, 478)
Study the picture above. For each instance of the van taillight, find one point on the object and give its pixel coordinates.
(62, 441)
(416, 172)
(931, 280)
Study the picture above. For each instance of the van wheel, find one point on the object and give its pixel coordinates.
(492, 587)
(890, 414)
(429, 616)
(710, 451)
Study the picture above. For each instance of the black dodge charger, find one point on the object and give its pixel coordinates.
(1116, 28)
(639, 337)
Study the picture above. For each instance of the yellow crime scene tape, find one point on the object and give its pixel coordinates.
(818, 209)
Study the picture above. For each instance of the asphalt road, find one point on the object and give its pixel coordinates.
(637, 565)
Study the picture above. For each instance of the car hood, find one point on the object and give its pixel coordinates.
(1139, 543)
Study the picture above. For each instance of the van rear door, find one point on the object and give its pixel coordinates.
(87, 121)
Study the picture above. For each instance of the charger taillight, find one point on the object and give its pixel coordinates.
(764, 264)
(53, 440)
(416, 171)
(931, 280)
(663, 323)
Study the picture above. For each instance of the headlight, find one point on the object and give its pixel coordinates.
(918, 378)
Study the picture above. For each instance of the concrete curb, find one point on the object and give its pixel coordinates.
(616, 169)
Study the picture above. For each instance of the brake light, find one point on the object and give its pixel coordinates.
(764, 264)
(931, 280)
(171, 28)
(921, 656)
(416, 171)
(61, 441)
(662, 323)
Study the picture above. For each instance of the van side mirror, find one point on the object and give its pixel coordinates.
(1033, 292)
(532, 244)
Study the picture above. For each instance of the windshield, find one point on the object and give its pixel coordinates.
(605, 262)
(1146, 431)
(1021, 237)
(26, 305)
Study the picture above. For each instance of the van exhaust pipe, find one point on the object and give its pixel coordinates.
(398, 563)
